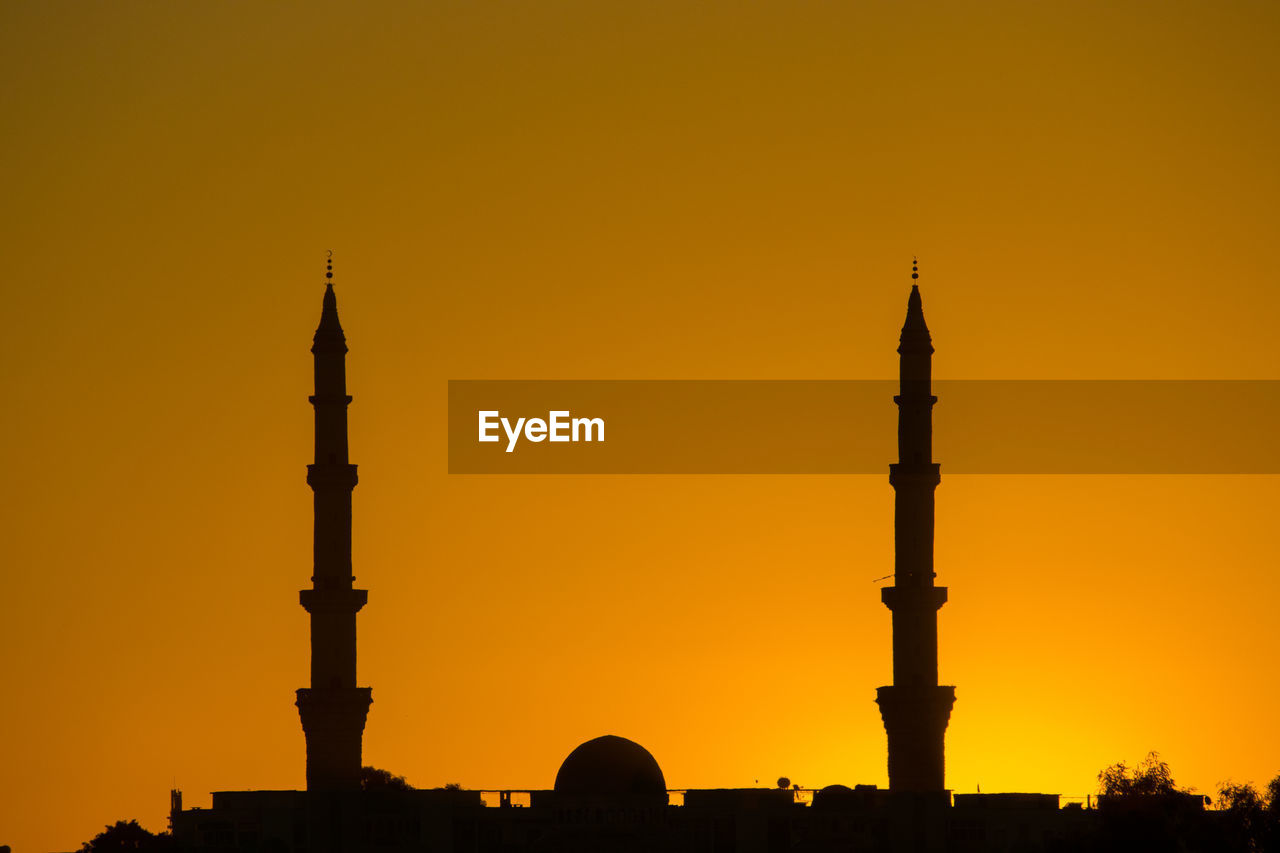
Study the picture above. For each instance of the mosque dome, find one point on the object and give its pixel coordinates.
(610, 766)
(834, 797)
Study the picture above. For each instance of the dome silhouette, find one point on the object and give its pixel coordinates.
(610, 766)
(834, 797)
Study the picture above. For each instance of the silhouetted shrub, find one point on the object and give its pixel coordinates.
(128, 837)
(374, 779)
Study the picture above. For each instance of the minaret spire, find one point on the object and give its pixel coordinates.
(333, 708)
(915, 328)
(329, 329)
(915, 709)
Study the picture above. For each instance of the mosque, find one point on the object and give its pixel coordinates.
(610, 793)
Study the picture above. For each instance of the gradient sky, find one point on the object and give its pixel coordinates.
(614, 190)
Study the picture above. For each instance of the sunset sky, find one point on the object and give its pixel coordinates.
(614, 190)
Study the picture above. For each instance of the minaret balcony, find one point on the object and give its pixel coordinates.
(330, 399)
(909, 597)
(330, 600)
(332, 474)
(927, 473)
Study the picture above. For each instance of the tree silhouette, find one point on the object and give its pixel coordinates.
(1151, 777)
(1273, 801)
(375, 779)
(127, 837)
(1143, 809)
(1250, 819)
(1243, 817)
(1270, 840)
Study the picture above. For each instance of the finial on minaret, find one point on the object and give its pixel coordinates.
(914, 331)
(329, 333)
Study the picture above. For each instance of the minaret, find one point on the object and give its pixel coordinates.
(915, 709)
(333, 709)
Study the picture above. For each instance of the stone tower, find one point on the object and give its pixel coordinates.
(915, 709)
(333, 708)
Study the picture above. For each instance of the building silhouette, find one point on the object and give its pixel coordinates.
(333, 708)
(610, 793)
(915, 709)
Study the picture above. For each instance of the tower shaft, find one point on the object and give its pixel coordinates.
(915, 709)
(333, 708)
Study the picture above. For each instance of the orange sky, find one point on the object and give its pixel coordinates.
(614, 190)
